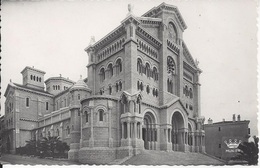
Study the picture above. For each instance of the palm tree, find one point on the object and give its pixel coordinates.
(30, 147)
(249, 151)
(48, 145)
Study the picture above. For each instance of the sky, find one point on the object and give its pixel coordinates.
(221, 34)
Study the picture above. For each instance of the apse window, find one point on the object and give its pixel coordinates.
(101, 115)
(27, 102)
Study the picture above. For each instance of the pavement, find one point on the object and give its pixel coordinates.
(27, 160)
(149, 157)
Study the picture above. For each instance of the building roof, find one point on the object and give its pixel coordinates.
(80, 84)
(32, 68)
(59, 78)
(227, 122)
(18, 86)
(152, 12)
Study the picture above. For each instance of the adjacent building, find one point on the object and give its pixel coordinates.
(223, 138)
(142, 93)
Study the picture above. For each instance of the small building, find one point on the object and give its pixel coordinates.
(223, 138)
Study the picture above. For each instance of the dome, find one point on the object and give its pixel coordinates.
(80, 84)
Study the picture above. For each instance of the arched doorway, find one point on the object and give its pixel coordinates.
(178, 131)
(149, 131)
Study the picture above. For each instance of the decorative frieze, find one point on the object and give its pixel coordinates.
(110, 37)
(147, 49)
(173, 47)
(111, 49)
(148, 37)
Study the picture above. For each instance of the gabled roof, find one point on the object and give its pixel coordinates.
(22, 87)
(175, 100)
(163, 6)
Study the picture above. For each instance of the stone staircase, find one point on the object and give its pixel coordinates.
(150, 157)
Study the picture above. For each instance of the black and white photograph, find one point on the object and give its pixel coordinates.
(129, 82)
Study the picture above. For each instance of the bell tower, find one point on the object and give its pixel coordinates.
(33, 78)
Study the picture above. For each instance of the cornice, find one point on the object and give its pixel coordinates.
(150, 21)
(189, 67)
(188, 54)
(173, 47)
(33, 69)
(148, 37)
(108, 38)
(95, 97)
(28, 119)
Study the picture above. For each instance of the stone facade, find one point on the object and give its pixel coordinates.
(142, 92)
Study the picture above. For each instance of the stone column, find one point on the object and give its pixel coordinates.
(123, 133)
(170, 136)
(91, 140)
(135, 130)
(110, 140)
(81, 136)
(128, 129)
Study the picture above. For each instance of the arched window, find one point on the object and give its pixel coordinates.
(171, 66)
(102, 74)
(172, 32)
(139, 65)
(47, 105)
(119, 66)
(40, 79)
(78, 96)
(155, 73)
(110, 89)
(191, 93)
(27, 102)
(147, 89)
(116, 87)
(86, 114)
(169, 86)
(34, 78)
(31, 77)
(110, 70)
(58, 87)
(141, 86)
(186, 91)
(120, 86)
(37, 79)
(147, 70)
(101, 115)
(65, 102)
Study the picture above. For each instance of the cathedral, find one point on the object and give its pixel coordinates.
(142, 92)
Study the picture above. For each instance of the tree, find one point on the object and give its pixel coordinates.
(30, 147)
(249, 151)
(48, 145)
